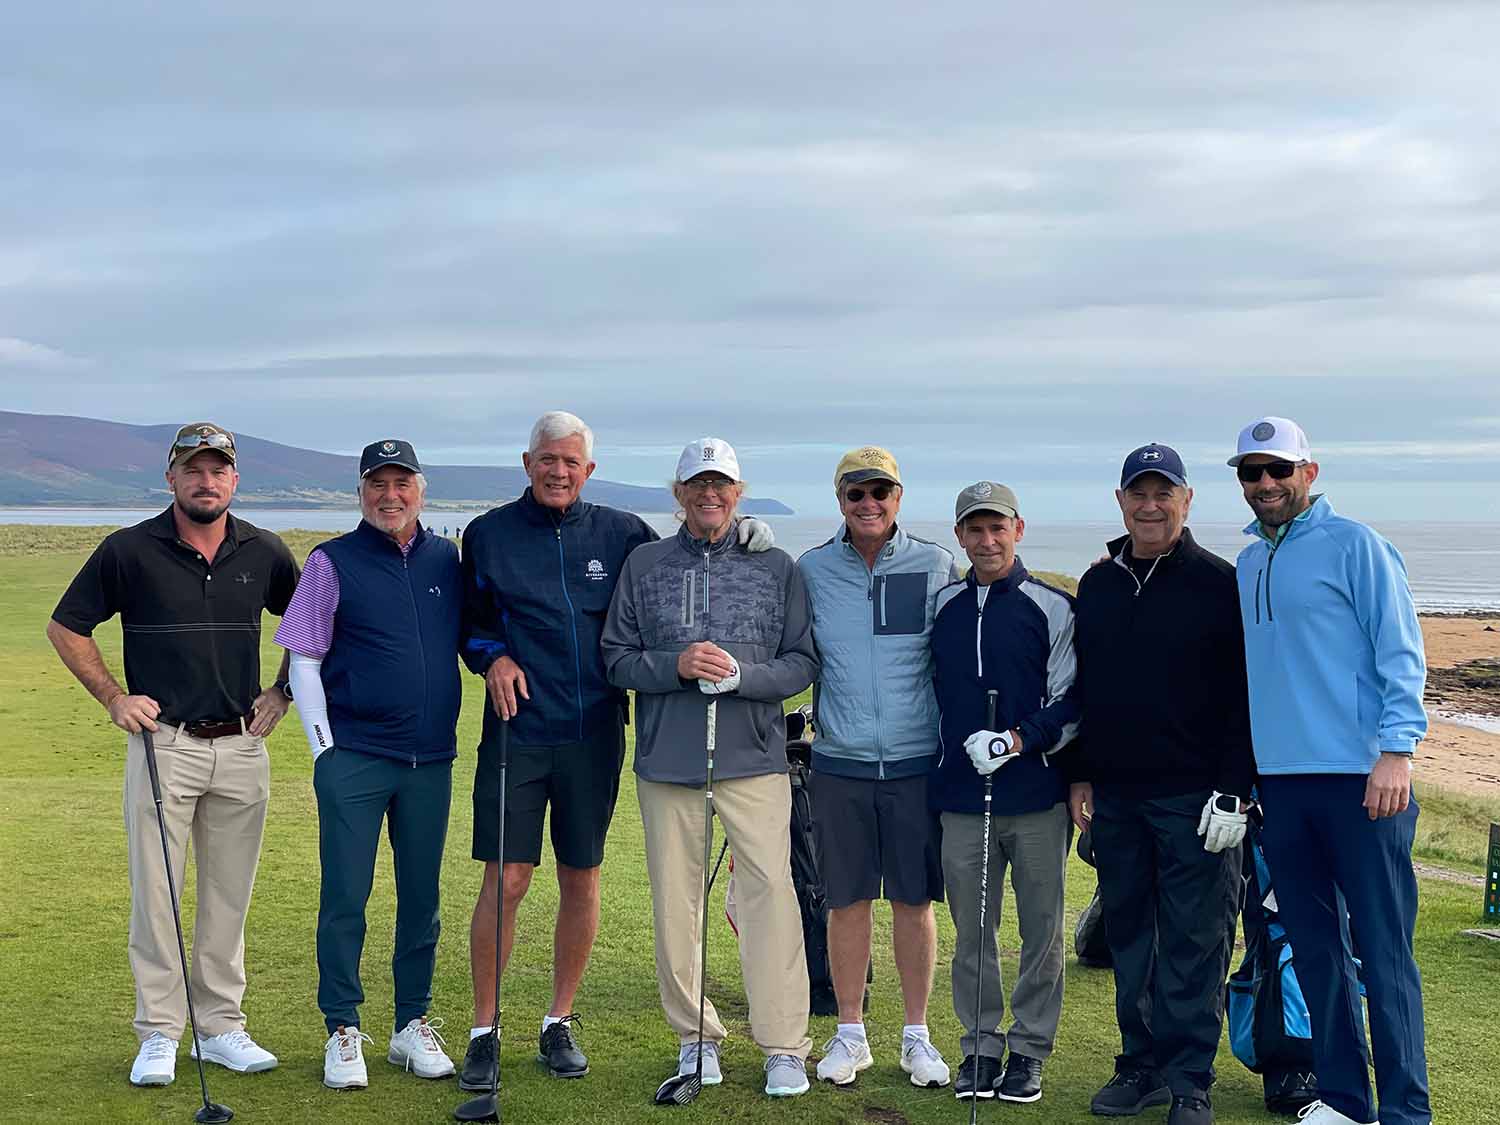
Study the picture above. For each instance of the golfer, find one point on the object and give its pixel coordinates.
(874, 590)
(1337, 669)
(189, 585)
(538, 576)
(1001, 630)
(1162, 776)
(373, 630)
(698, 617)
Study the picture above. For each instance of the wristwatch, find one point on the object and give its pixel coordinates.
(285, 687)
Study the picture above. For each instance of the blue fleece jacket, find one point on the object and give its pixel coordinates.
(1332, 646)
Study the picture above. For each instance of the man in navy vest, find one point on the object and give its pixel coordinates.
(373, 630)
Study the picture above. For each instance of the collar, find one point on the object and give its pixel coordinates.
(896, 541)
(164, 526)
(714, 547)
(539, 513)
(1119, 549)
(1018, 574)
(1316, 512)
(374, 535)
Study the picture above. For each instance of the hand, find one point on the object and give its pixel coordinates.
(1219, 828)
(269, 708)
(756, 535)
(1388, 788)
(1081, 804)
(134, 713)
(704, 660)
(505, 682)
(989, 750)
(728, 683)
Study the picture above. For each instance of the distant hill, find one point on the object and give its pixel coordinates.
(53, 460)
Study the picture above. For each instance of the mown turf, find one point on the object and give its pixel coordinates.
(67, 997)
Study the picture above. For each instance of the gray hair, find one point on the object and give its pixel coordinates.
(558, 424)
(359, 489)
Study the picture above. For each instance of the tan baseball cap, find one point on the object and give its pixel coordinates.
(868, 462)
(200, 437)
(985, 496)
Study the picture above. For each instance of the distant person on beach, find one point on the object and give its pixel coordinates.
(190, 586)
(538, 575)
(373, 632)
(1162, 781)
(1337, 669)
(874, 592)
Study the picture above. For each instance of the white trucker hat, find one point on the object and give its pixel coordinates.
(709, 455)
(1275, 437)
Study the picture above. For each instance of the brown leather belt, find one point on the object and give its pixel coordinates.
(214, 728)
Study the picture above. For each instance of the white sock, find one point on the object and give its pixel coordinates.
(476, 1032)
(548, 1021)
(854, 1032)
(916, 1031)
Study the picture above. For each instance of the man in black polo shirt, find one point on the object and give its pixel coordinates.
(189, 586)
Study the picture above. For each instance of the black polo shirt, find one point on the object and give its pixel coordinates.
(192, 628)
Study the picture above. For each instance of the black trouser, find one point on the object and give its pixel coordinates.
(1169, 911)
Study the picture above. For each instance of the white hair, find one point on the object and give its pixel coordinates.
(359, 489)
(558, 424)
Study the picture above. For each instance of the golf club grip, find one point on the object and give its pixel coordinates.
(149, 744)
(713, 724)
(991, 703)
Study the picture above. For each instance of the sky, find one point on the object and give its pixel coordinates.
(1003, 242)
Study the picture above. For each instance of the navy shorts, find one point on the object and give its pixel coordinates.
(877, 839)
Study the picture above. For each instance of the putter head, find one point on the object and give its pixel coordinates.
(213, 1112)
(680, 1089)
(486, 1107)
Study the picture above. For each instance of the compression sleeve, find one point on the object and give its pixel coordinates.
(312, 702)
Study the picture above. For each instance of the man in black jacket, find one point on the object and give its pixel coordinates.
(1163, 776)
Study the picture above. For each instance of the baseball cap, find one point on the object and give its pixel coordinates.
(868, 462)
(200, 437)
(985, 496)
(708, 455)
(1153, 458)
(1276, 437)
(391, 451)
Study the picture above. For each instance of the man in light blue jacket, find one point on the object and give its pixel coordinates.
(873, 590)
(1336, 668)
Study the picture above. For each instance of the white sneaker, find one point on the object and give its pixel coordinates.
(156, 1062)
(921, 1060)
(1316, 1113)
(235, 1050)
(419, 1048)
(687, 1062)
(344, 1060)
(843, 1059)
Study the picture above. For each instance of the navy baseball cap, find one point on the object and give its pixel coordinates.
(392, 451)
(1153, 458)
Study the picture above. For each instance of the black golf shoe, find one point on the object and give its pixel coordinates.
(480, 1064)
(964, 1086)
(1022, 1080)
(1131, 1090)
(1191, 1109)
(560, 1052)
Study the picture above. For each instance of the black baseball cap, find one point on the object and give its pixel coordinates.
(392, 451)
(1153, 458)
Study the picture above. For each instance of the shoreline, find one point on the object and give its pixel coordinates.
(1463, 678)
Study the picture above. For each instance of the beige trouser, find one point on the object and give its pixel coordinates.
(218, 789)
(756, 815)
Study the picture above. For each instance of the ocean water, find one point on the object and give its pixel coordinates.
(1452, 566)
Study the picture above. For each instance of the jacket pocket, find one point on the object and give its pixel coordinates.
(899, 603)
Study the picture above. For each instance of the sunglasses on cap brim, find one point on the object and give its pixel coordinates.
(185, 443)
(1279, 470)
(880, 491)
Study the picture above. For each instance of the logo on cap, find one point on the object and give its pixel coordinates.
(982, 490)
(870, 454)
(1151, 455)
(708, 453)
(387, 447)
(1263, 431)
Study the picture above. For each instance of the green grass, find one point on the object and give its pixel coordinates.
(66, 990)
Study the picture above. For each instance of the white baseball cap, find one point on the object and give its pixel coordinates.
(708, 455)
(1275, 437)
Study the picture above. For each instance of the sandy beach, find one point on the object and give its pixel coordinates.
(1463, 662)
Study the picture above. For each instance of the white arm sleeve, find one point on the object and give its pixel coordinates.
(312, 704)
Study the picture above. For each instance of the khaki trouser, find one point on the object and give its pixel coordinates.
(217, 789)
(756, 815)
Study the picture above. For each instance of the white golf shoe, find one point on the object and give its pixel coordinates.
(1317, 1113)
(236, 1051)
(921, 1060)
(419, 1048)
(843, 1059)
(687, 1062)
(344, 1060)
(155, 1063)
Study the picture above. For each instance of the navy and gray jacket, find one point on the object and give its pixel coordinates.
(537, 585)
(391, 674)
(1020, 645)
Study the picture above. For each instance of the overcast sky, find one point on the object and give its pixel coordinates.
(1003, 243)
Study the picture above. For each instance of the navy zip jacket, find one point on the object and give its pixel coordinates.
(391, 674)
(1161, 674)
(1020, 645)
(537, 585)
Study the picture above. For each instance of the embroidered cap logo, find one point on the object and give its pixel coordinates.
(1263, 431)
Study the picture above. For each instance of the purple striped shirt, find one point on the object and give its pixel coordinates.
(306, 627)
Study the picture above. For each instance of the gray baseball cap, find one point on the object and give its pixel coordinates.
(985, 496)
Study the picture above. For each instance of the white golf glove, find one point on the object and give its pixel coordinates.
(756, 535)
(728, 683)
(990, 749)
(1222, 825)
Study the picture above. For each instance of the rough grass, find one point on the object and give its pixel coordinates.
(66, 990)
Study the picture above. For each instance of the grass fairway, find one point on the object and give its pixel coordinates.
(67, 995)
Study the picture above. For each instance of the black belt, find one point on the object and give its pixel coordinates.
(214, 728)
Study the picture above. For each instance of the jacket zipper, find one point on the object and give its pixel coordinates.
(421, 650)
(874, 686)
(562, 577)
(1258, 575)
(1270, 613)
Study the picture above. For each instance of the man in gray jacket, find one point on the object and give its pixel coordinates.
(694, 618)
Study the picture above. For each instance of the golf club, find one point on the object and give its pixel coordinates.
(681, 1089)
(486, 1107)
(991, 697)
(211, 1111)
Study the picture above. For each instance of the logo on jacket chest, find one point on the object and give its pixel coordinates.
(596, 571)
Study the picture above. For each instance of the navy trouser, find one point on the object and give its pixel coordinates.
(1334, 868)
(355, 793)
(1169, 915)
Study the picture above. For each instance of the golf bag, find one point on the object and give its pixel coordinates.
(1090, 940)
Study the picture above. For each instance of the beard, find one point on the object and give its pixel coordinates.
(203, 509)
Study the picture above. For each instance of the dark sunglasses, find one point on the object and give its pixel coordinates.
(880, 492)
(184, 442)
(1279, 470)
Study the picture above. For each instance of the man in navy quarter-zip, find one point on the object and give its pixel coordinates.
(1337, 669)
(1162, 775)
(373, 631)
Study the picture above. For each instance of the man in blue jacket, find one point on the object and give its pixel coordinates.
(1337, 668)
(1001, 630)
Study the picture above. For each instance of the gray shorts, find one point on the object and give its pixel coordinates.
(877, 839)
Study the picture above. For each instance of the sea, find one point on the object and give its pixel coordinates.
(1453, 567)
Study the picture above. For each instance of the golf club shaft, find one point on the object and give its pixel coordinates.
(708, 851)
(991, 699)
(500, 902)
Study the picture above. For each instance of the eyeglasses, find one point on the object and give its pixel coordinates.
(879, 492)
(703, 484)
(214, 439)
(1279, 470)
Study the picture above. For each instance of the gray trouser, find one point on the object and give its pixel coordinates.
(1035, 847)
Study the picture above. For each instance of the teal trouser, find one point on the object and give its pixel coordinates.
(355, 793)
